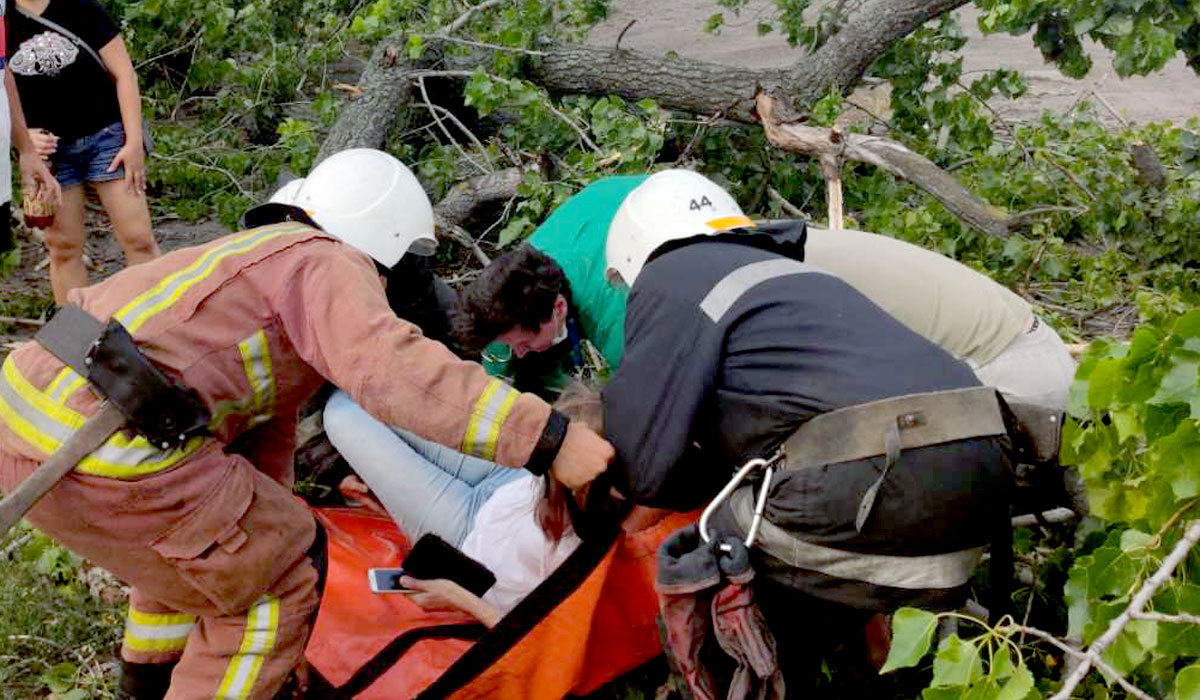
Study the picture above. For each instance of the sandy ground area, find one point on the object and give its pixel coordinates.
(676, 25)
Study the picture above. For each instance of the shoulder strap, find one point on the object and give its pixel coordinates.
(67, 33)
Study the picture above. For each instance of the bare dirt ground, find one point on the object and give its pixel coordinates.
(101, 248)
(676, 25)
(30, 280)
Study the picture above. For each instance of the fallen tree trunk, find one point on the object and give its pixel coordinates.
(706, 89)
(674, 82)
(367, 119)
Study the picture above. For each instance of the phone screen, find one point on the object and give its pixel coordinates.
(386, 581)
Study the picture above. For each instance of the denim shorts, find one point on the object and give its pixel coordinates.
(87, 158)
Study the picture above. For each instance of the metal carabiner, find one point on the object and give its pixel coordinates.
(724, 494)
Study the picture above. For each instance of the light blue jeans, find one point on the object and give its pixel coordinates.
(426, 487)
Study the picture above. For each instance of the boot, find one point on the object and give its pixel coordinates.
(144, 681)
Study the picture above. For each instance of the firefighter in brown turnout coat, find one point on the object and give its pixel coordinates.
(205, 528)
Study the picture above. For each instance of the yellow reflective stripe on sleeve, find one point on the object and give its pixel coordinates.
(256, 361)
(46, 425)
(487, 418)
(151, 632)
(137, 312)
(258, 641)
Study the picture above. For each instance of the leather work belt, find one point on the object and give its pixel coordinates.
(888, 426)
(879, 428)
(923, 572)
(135, 393)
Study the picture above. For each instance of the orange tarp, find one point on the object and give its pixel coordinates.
(604, 628)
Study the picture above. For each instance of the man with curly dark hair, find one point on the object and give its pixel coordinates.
(544, 310)
(523, 290)
(521, 309)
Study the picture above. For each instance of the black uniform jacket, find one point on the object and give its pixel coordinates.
(731, 343)
(716, 373)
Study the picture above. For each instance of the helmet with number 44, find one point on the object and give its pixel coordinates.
(669, 205)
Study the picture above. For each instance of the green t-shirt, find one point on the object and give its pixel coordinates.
(574, 236)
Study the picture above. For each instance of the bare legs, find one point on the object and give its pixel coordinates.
(130, 218)
(64, 238)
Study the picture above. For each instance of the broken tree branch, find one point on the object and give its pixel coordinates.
(1149, 588)
(459, 234)
(466, 15)
(436, 112)
(366, 121)
(1176, 619)
(1056, 515)
(784, 130)
(784, 204)
(464, 198)
(22, 321)
(1075, 653)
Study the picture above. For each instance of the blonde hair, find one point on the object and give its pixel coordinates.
(582, 403)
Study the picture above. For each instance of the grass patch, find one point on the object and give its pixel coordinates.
(22, 305)
(56, 639)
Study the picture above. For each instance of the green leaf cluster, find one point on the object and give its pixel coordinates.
(1143, 35)
(1134, 436)
(1134, 432)
(987, 666)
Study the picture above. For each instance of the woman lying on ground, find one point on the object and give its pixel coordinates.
(513, 523)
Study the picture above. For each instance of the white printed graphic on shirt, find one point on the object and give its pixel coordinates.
(45, 54)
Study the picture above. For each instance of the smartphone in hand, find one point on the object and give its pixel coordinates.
(387, 581)
(432, 557)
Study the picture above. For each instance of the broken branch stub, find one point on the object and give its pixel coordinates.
(784, 130)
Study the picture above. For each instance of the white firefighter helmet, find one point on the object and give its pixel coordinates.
(287, 193)
(668, 205)
(368, 199)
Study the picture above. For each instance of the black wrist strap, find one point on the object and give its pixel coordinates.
(548, 444)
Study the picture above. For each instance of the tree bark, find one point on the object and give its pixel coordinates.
(462, 199)
(700, 87)
(707, 88)
(366, 121)
(674, 82)
(867, 32)
(671, 81)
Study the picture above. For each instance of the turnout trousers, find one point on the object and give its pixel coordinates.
(216, 552)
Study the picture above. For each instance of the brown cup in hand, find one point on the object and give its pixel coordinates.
(39, 212)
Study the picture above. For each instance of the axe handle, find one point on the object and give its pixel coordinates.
(86, 440)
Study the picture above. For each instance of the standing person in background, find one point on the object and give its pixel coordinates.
(78, 85)
(34, 172)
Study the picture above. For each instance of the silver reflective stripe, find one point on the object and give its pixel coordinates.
(258, 641)
(46, 425)
(256, 361)
(725, 294)
(931, 571)
(171, 288)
